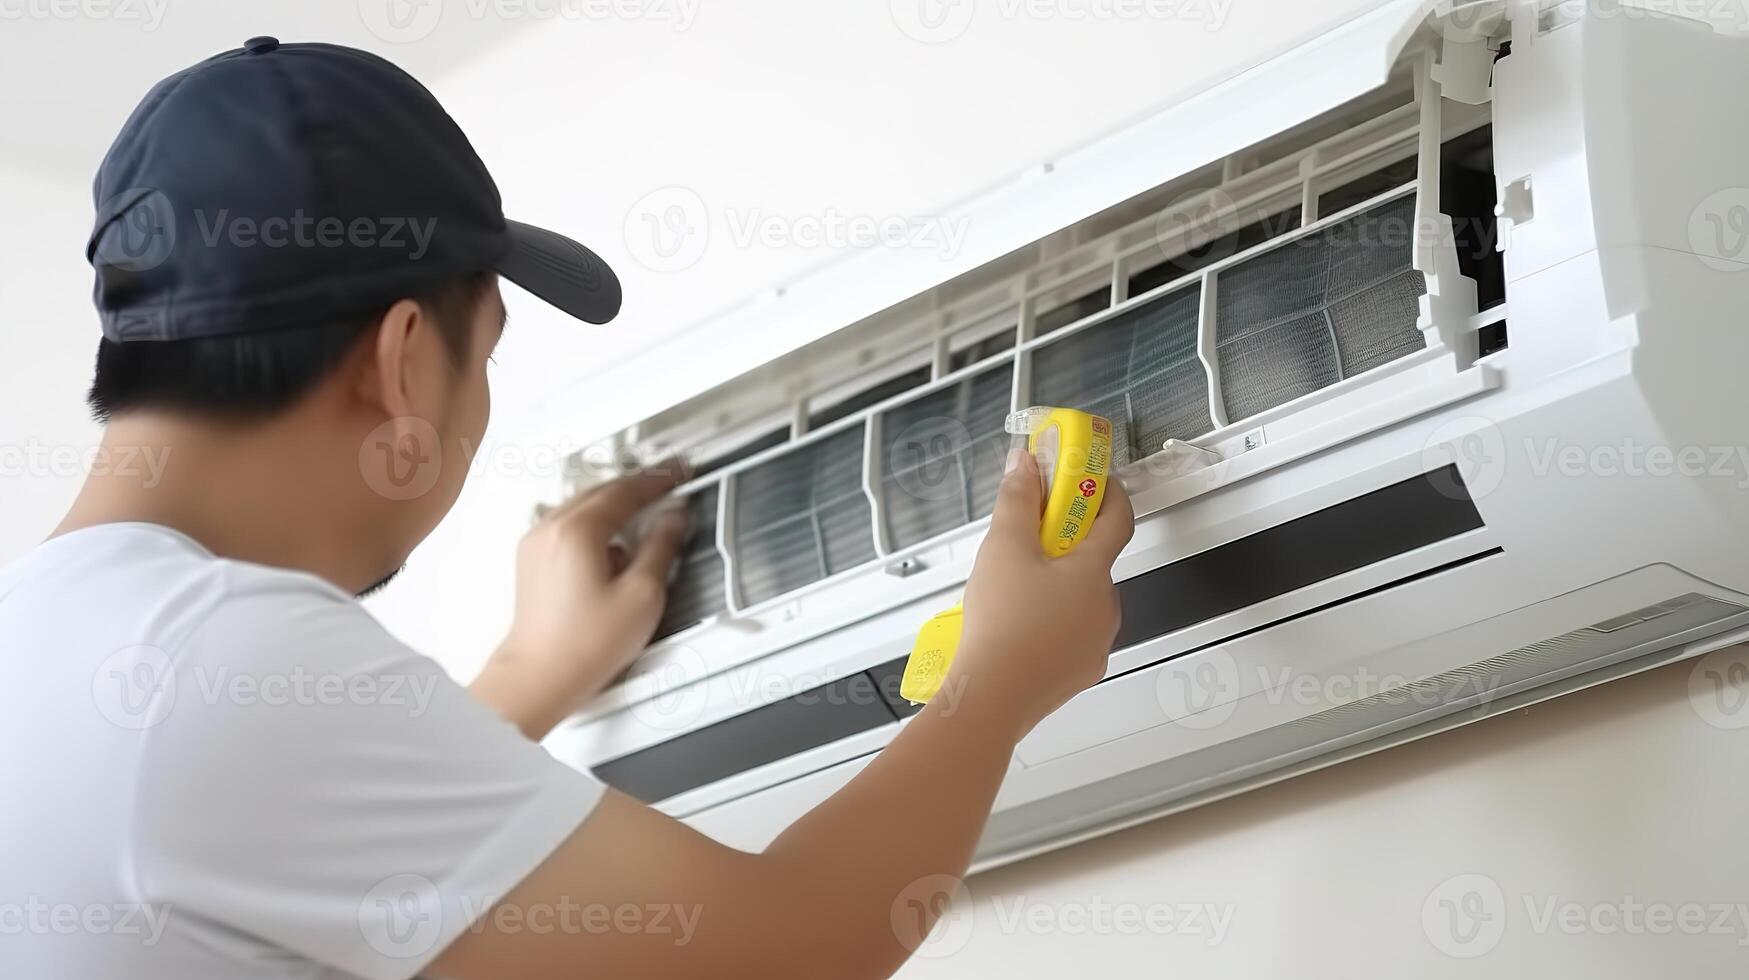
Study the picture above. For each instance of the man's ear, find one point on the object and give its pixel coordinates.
(401, 362)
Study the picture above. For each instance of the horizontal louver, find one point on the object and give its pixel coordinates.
(801, 517)
(942, 455)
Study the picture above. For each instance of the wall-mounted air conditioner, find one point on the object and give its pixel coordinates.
(1453, 296)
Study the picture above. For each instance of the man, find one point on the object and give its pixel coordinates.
(217, 764)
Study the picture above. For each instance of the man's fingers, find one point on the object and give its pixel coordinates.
(612, 504)
(1113, 526)
(660, 548)
(1019, 502)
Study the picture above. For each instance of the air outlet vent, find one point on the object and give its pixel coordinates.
(1077, 309)
(942, 456)
(696, 593)
(801, 517)
(1139, 369)
(1308, 313)
(1181, 781)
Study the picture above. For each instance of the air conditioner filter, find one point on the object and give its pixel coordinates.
(801, 517)
(1139, 369)
(942, 455)
(1314, 310)
(696, 594)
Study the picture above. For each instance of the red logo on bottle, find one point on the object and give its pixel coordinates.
(1088, 487)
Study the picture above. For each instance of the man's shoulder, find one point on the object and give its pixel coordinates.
(154, 586)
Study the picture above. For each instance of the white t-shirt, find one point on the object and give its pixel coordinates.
(210, 768)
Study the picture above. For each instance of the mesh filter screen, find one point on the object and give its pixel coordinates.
(942, 455)
(801, 517)
(1139, 369)
(696, 593)
(1318, 309)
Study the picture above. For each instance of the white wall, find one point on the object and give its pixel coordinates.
(1586, 805)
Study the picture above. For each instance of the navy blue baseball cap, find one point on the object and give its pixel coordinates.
(288, 184)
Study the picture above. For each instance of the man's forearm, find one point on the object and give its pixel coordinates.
(869, 852)
(529, 695)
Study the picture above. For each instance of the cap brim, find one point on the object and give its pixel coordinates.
(562, 272)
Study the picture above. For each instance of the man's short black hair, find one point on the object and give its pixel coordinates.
(256, 374)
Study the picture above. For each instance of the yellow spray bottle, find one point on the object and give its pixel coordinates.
(1073, 450)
